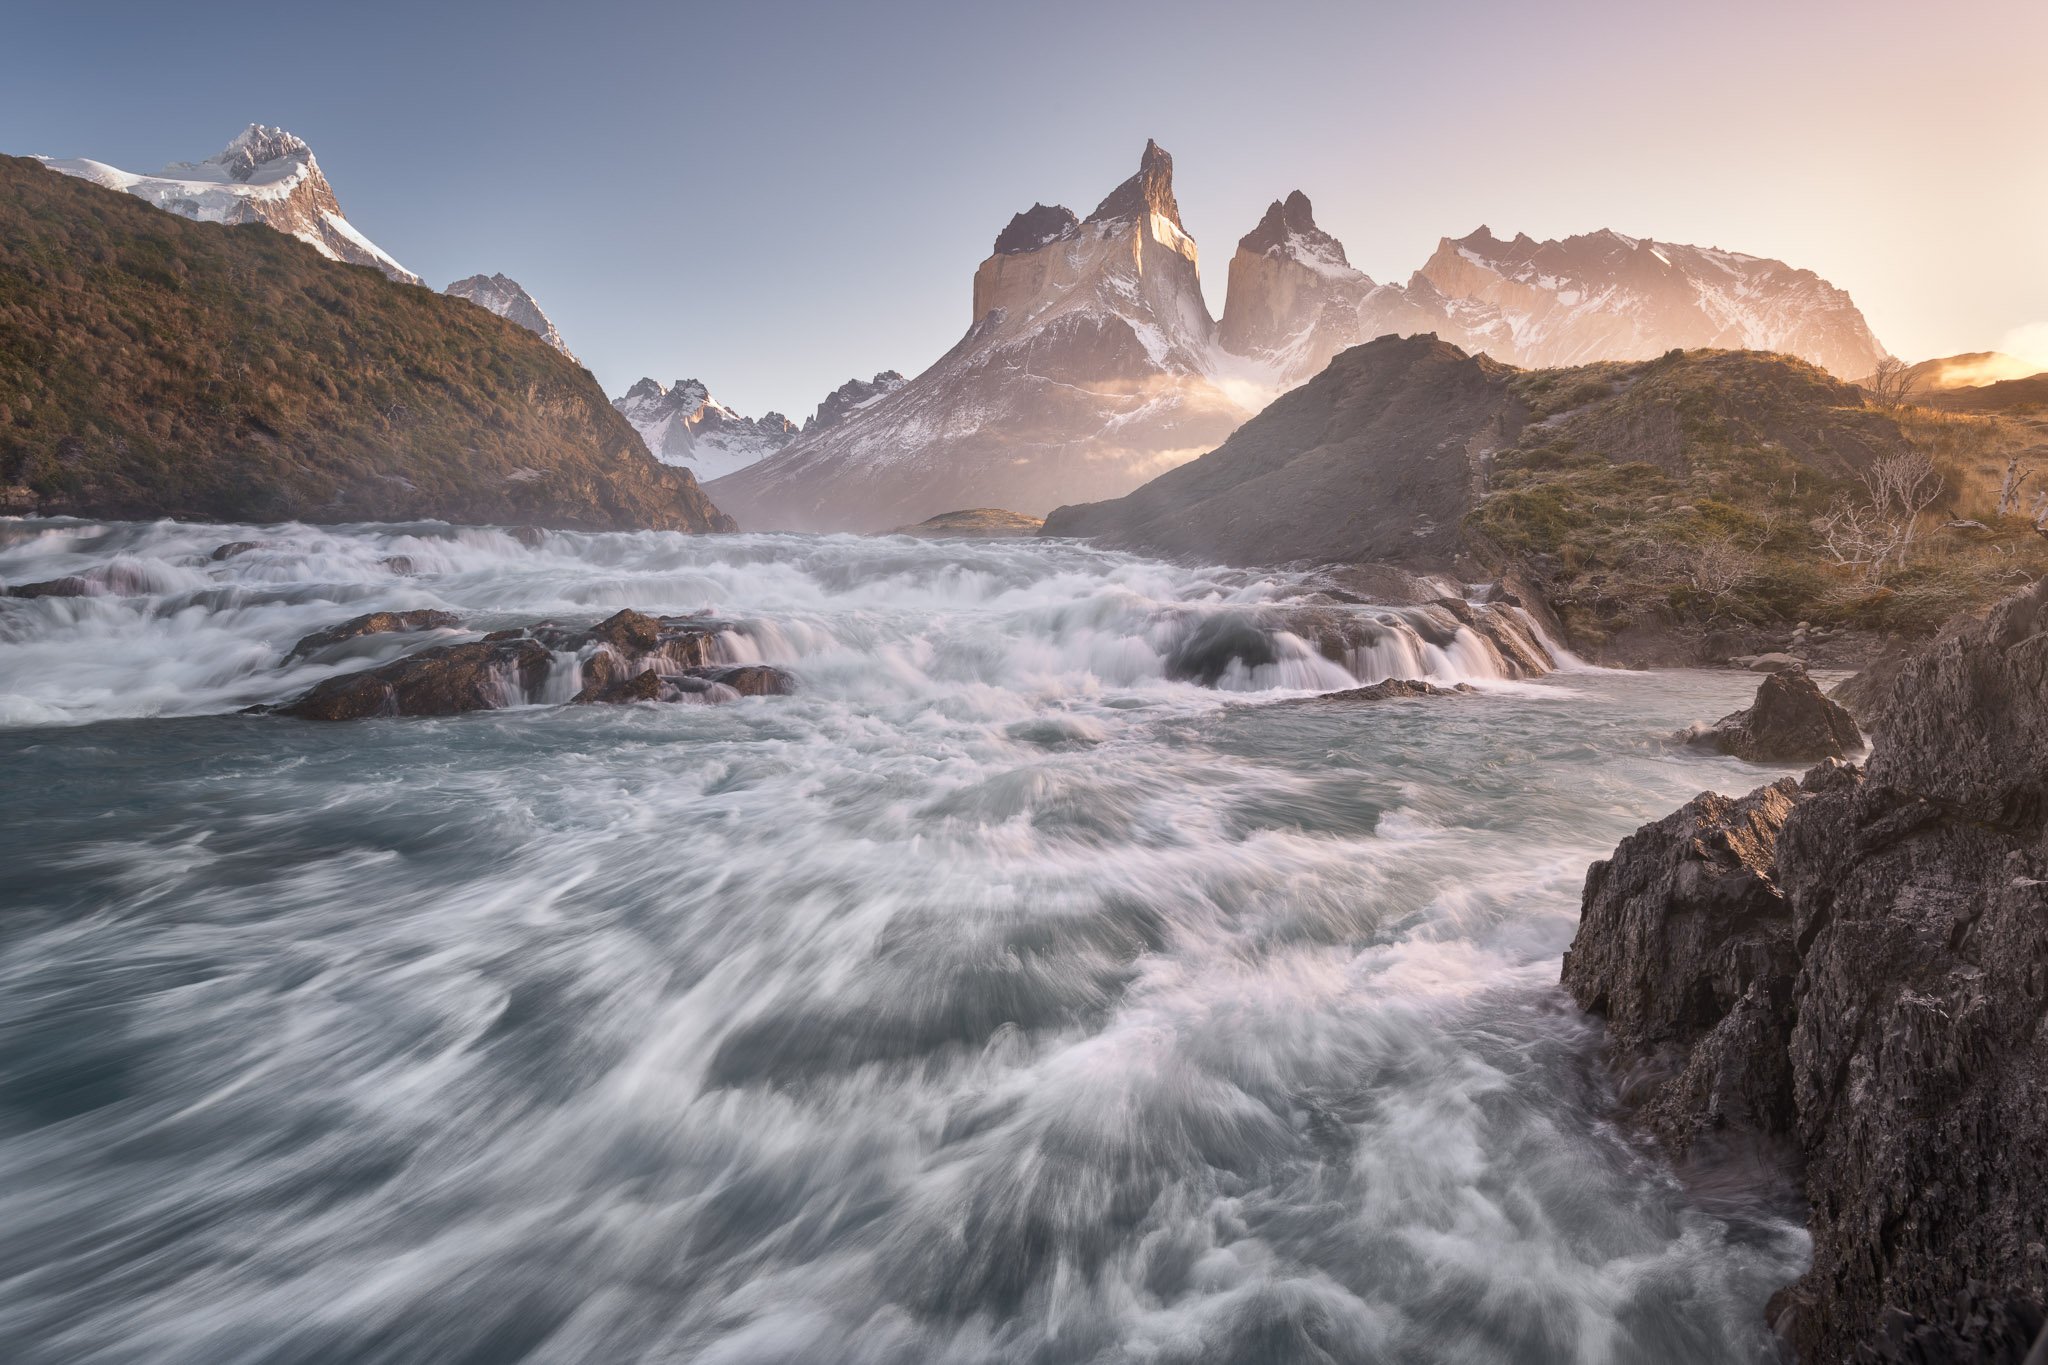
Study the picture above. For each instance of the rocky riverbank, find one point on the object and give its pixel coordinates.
(1851, 969)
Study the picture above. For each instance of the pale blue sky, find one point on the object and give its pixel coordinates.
(774, 196)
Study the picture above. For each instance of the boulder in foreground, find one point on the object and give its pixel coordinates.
(1856, 966)
(1790, 721)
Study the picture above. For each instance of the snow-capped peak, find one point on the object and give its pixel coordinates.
(502, 295)
(682, 424)
(265, 175)
(252, 157)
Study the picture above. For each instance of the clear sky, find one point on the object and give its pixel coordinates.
(774, 197)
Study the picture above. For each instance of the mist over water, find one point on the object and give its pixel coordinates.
(996, 997)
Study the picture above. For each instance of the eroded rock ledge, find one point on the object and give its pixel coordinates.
(1855, 965)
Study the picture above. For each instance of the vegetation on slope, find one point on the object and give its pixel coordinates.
(151, 366)
(1707, 491)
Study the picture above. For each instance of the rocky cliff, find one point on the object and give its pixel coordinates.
(1294, 299)
(1085, 371)
(504, 296)
(1852, 969)
(266, 176)
(151, 366)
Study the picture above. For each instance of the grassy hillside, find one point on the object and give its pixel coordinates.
(152, 366)
(1689, 495)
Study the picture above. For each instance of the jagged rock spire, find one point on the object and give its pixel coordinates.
(1292, 218)
(1149, 191)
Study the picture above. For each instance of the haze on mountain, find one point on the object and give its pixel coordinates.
(1093, 363)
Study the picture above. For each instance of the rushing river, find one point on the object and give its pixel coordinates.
(995, 998)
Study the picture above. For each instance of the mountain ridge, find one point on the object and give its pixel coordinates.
(264, 175)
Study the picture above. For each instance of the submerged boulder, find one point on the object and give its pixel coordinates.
(1394, 688)
(691, 684)
(1856, 965)
(1789, 722)
(374, 623)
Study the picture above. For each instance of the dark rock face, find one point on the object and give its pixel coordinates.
(1379, 457)
(1685, 946)
(375, 623)
(1875, 945)
(1040, 225)
(629, 656)
(1789, 722)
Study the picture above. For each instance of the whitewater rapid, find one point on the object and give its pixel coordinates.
(1003, 995)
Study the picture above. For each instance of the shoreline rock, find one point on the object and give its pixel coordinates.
(1855, 965)
(1789, 722)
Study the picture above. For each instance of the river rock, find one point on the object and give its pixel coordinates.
(629, 656)
(1774, 662)
(691, 684)
(1394, 688)
(111, 580)
(1857, 965)
(447, 680)
(1789, 722)
(374, 623)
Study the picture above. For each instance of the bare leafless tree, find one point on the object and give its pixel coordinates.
(1901, 488)
(1891, 383)
(1853, 535)
(2016, 476)
(1877, 531)
(1719, 568)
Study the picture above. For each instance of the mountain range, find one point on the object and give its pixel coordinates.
(1092, 363)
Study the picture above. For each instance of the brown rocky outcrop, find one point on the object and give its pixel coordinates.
(447, 680)
(629, 656)
(1789, 722)
(1857, 965)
